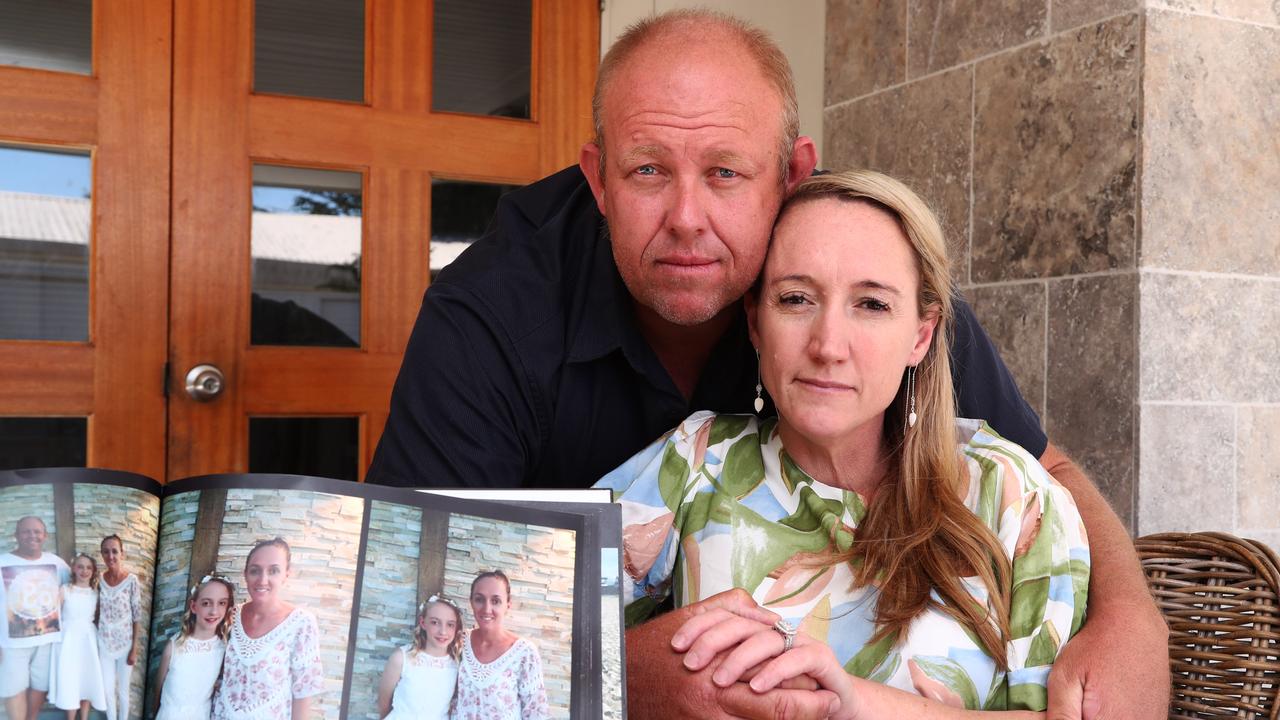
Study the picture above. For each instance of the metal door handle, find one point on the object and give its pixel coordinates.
(204, 382)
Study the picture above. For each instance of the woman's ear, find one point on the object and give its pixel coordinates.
(924, 335)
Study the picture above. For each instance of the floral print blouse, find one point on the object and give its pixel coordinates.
(261, 677)
(718, 504)
(119, 608)
(508, 688)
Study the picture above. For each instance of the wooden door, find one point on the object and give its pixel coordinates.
(396, 144)
(119, 115)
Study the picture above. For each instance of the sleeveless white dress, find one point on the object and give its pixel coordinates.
(425, 689)
(77, 672)
(194, 666)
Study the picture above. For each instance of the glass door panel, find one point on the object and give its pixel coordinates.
(45, 209)
(47, 35)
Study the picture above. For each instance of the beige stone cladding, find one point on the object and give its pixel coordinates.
(177, 532)
(19, 501)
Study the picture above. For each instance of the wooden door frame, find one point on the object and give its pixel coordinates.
(120, 113)
(221, 129)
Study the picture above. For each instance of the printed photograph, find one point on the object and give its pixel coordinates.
(253, 605)
(76, 572)
(463, 614)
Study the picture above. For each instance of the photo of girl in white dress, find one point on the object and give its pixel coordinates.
(77, 673)
(271, 670)
(420, 678)
(192, 660)
(119, 623)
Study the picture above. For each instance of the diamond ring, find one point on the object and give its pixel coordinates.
(788, 633)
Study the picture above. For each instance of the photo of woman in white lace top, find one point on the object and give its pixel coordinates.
(271, 670)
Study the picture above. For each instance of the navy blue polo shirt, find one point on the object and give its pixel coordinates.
(526, 366)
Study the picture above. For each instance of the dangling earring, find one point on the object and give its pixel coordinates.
(759, 403)
(911, 396)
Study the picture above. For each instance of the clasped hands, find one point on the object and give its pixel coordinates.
(753, 659)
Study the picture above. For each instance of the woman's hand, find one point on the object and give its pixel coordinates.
(756, 653)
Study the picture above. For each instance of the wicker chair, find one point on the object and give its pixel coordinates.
(1219, 595)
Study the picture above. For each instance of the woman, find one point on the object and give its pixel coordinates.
(500, 674)
(271, 668)
(119, 622)
(917, 554)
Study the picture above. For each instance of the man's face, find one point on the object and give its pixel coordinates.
(691, 182)
(30, 536)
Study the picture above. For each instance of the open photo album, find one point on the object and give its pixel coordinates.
(289, 597)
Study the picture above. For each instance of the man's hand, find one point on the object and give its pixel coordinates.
(1117, 666)
(1106, 671)
(659, 685)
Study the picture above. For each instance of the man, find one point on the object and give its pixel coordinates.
(29, 624)
(553, 350)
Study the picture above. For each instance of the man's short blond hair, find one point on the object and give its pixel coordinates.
(696, 23)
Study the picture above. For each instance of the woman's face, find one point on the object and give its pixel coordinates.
(112, 554)
(489, 602)
(441, 624)
(211, 605)
(265, 573)
(82, 568)
(837, 318)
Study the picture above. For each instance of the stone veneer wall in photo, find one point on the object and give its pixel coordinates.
(323, 532)
(539, 563)
(177, 534)
(388, 599)
(1105, 170)
(102, 510)
(19, 501)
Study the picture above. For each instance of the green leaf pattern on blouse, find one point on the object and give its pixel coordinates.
(741, 513)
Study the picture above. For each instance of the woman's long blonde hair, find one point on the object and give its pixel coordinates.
(918, 535)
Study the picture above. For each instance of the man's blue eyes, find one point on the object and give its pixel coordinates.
(720, 173)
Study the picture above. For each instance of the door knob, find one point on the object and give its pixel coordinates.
(204, 382)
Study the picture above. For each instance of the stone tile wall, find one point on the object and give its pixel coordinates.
(1106, 170)
(173, 561)
(1209, 375)
(388, 599)
(1018, 120)
(19, 501)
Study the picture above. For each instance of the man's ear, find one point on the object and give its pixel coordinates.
(751, 304)
(589, 162)
(804, 158)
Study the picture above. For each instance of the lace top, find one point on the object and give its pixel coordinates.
(119, 608)
(262, 676)
(509, 688)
